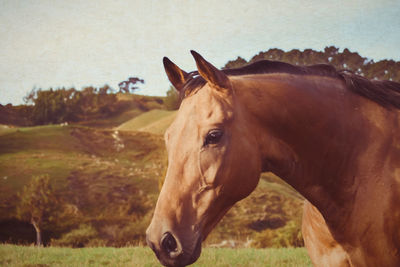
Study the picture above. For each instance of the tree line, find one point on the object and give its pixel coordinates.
(54, 106)
(70, 105)
(352, 61)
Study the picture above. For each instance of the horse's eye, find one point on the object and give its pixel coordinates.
(213, 137)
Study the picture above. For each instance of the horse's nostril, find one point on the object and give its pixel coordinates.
(168, 243)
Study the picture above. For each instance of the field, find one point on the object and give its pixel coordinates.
(107, 180)
(155, 121)
(11, 255)
(96, 172)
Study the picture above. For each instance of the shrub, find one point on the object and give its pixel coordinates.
(287, 236)
(172, 101)
(84, 236)
(124, 232)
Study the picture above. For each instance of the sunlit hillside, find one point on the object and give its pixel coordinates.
(105, 179)
(108, 182)
(154, 121)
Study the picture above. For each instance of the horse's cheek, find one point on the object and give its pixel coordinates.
(210, 163)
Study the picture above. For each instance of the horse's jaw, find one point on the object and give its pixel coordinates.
(196, 252)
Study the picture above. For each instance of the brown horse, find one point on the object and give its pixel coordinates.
(334, 136)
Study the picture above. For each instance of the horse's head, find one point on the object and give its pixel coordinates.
(213, 163)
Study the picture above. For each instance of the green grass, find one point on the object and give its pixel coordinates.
(114, 121)
(11, 255)
(154, 121)
(58, 150)
(4, 129)
(159, 126)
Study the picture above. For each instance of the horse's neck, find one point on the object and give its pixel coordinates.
(313, 133)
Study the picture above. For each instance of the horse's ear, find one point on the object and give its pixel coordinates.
(175, 75)
(210, 73)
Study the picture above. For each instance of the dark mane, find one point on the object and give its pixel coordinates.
(385, 93)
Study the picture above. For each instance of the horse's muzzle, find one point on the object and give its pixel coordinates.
(169, 250)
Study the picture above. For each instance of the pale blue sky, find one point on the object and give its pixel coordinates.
(80, 43)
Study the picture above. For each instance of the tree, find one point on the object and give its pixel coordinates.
(50, 106)
(237, 63)
(172, 101)
(69, 105)
(331, 50)
(38, 204)
(106, 89)
(129, 85)
(31, 96)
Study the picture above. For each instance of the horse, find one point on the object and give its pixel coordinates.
(332, 135)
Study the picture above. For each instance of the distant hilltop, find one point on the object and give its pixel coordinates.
(94, 106)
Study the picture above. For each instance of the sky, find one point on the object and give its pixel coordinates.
(75, 43)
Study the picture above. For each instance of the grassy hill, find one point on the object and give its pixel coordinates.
(155, 121)
(97, 173)
(130, 106)
(89, 109)
(108, 182)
